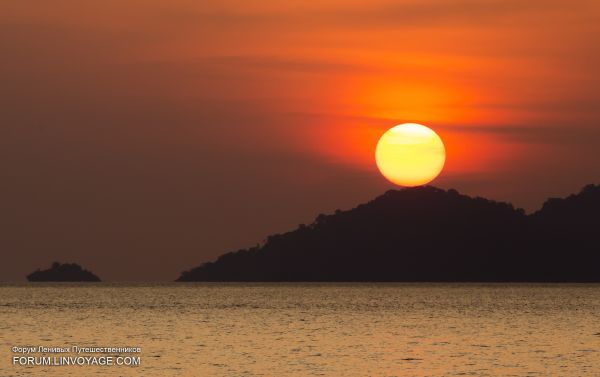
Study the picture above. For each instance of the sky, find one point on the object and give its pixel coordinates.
(141, 138)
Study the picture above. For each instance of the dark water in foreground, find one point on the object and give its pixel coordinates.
(310, 329)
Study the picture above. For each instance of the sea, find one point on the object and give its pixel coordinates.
(215, 329)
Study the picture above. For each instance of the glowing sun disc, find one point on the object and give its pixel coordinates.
(410, 155)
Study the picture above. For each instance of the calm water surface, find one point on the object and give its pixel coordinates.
(311, 329)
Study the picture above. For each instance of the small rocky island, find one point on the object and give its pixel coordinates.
(60, 272)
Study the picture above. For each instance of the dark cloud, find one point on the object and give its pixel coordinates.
(576, 136)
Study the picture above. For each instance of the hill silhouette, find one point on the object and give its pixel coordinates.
(62, 272)
(428, 234)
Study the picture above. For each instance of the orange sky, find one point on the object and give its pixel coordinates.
(169, 131)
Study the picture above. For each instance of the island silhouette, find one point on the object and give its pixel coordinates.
(63, 273)
(427, 234)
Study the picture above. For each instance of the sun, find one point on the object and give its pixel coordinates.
(410, 155)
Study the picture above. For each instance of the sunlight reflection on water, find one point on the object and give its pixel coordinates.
(311, 329)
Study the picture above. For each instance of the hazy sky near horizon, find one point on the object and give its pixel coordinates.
(141, 138)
